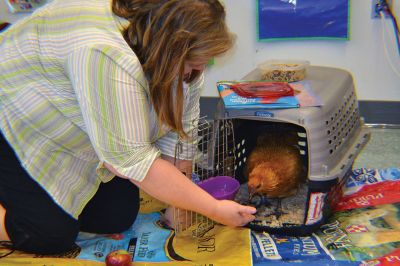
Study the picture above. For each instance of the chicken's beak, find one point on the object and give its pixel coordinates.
(253, 190)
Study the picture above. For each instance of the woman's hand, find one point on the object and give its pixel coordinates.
(226, 212)
(231, 213)
(167, 184)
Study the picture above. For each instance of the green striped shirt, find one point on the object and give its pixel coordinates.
(73, 95)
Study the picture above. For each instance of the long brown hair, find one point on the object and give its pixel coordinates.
(166, 33)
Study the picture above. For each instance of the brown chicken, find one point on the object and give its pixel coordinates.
(274, 168)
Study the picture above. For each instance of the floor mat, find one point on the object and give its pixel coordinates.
(364, 230)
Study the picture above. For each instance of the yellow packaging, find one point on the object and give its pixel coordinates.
(149, 204)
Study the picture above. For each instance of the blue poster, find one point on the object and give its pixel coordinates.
(303, 19)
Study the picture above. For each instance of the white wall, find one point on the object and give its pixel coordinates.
(363, 55)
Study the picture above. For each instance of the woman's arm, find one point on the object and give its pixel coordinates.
(166, 183)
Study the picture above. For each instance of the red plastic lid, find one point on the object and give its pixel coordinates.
(264, 90)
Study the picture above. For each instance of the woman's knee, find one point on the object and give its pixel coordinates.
(113, 209)
(110, 220)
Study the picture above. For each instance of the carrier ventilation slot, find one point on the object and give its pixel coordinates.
(342, 123)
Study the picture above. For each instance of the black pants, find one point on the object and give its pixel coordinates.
(36, 224)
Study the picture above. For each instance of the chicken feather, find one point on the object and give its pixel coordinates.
(274, 167)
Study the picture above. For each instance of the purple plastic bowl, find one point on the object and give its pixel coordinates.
(221, 187)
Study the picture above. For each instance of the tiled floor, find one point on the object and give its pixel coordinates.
(382, 150)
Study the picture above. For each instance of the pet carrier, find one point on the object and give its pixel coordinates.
(327, 139)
